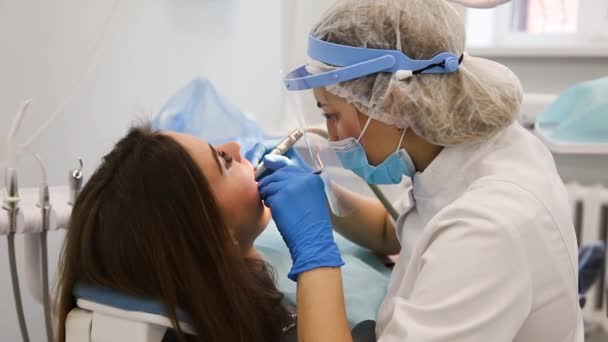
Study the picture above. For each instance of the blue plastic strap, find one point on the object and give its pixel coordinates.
(356, 62)
(344, 55)
(300, 79)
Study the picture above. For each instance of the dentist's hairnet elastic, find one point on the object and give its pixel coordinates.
(467, 106)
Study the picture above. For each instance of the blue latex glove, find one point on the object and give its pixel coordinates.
(297, 200)
(257, 153)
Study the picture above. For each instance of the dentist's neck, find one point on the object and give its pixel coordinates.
(421, 151)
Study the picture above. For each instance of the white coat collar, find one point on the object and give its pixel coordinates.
(449, 174)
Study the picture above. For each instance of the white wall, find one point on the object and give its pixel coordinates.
(153, 48)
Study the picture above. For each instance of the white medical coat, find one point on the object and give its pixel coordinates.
(489, 251)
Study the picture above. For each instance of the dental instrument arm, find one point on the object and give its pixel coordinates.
(385, 201)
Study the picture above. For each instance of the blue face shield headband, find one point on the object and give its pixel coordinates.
(356, 62)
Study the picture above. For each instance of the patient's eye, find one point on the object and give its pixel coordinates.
(226, 157)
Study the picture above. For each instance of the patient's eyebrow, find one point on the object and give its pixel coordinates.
(217, 160)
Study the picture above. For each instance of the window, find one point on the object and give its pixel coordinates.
(571, 26)
(543, 16)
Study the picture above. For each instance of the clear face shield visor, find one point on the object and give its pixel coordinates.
(315, 148)
(306, 97)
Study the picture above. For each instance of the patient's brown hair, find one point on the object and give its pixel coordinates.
(146, 223)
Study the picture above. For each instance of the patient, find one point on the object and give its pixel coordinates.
(170, 217)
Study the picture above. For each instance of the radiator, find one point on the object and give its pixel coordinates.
(590, 213)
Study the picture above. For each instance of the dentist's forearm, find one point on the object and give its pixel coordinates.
(368, 223)
(321, 310)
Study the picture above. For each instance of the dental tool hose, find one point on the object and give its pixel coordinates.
(281, 149)
(11, 205)
(44, 203)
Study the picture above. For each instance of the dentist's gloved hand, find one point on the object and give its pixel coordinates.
(257, 153)
(297, 200)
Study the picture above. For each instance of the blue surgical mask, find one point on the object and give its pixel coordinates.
(390, 171)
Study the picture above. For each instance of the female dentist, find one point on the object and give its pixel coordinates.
(488, 251)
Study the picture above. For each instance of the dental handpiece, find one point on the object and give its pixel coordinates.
(281, 149)
(75, 183)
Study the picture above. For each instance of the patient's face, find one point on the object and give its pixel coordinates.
(233, 184)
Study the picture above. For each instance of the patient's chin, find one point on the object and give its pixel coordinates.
(264, 219)
(251, 226)
(262, 222)
(260, 226)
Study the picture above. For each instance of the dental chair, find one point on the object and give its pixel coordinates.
(103, 315)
